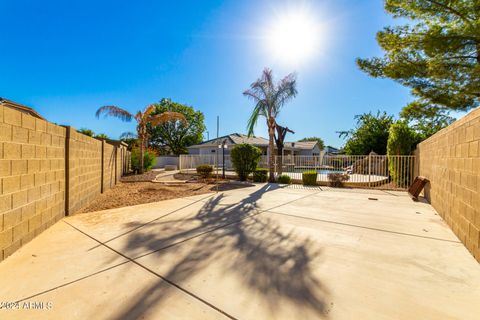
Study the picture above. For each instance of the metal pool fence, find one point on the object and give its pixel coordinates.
(375, 171)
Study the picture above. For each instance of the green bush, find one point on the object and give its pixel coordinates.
(337, 179)
(401, 141)
(204, 170)
(148, 159)
(284, 179)
(309, 178)
(260, 175)
(245, 159)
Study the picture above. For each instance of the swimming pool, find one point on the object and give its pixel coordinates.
(319, 171)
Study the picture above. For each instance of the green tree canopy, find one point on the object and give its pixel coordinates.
(321, 144)
(130, 139)
(87, 132)
(370, 134)
(101, 136)
(402, 139)
(425, 119)
(437, 53)
(175, 137)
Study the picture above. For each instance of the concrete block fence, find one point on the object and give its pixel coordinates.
(450, 159)
(49, 171)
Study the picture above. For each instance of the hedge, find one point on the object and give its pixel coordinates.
(309, 178)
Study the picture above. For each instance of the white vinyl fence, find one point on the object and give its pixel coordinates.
(389, 172)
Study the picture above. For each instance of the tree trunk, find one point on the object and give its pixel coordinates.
(279, 159)
(271, 149)
(279, 140)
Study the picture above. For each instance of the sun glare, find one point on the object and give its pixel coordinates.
(293, 37)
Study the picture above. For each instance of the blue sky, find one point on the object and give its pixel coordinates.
(67, 58)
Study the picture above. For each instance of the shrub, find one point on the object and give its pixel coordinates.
(245, 159)
(337, 179)
(204, 170)
(260, 175)
(401, 141)
(309, 178)
(284, 179)
(148, 159)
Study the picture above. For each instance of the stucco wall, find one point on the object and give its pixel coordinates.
(450, 159)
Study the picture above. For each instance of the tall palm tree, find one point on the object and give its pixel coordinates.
(143, 118)
(269, 99)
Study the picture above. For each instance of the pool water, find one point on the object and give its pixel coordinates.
(322, 171)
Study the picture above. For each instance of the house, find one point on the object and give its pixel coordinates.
(331, 151)
(20, 107)
(303, 148)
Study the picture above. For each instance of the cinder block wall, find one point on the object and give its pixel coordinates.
(450, 159)
(48, 171)
(32, 176)
(85, 169)
(109, 160)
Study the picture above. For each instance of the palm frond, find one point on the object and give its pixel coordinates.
(251, 94)
(258, 111)
(114, 111)
(148, 110)
(167, 117)
(139, 117)
(286, 90)
(267, 84)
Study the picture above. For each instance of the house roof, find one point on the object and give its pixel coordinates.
(20, 107)
(306, 145)
(234, 138)
(238, 138)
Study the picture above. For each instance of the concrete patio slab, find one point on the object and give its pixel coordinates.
(124, 292)
(283, 267)
(57, 256)
(264, 252)
(382, 212)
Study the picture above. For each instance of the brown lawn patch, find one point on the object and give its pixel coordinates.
(133, 193)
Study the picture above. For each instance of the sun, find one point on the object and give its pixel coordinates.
(293, 37)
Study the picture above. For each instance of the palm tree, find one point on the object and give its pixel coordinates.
(269, 99)
(143, 118)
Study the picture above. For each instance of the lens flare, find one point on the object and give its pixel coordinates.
(293, 37)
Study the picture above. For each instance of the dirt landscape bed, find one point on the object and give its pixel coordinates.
(133, 193)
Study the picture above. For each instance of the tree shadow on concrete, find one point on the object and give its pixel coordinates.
(273, 264)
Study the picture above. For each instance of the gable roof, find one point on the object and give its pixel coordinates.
(306, 145)
(234, 138)
(238, 138)
(20, 107)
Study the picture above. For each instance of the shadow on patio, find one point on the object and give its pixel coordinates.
(274, 264)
